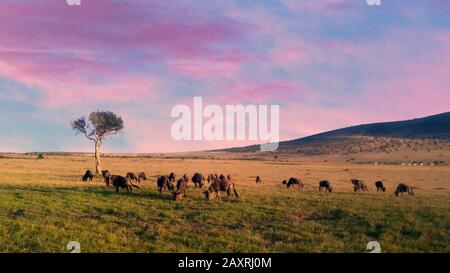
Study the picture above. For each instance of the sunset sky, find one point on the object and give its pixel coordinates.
(328, 64)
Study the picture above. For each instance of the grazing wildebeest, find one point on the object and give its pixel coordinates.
(172, 177)
(141, 177)
(401, 188)
(124, 183)
(180, 193)
(132, 176)
(325, 184)
(186, 177)
(164, 183)
(220, 185)
(88, 176)
(211, 178)
(293, 181)
(199, 180)
(258, 180)
(107, 177)
(358, 185)
(380, 186)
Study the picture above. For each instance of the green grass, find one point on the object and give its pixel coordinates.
(266, 219)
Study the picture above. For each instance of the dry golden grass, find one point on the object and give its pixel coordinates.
(44, 204)
(67, 170)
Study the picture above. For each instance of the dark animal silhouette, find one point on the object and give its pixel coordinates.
(358, 185)
(164, 183)
(124, 183)
(172, 177)
(258, 180)
(106, 177)
(380, 186)
(186, 177)
(132, 176)
(211, 178)
(293, 181)
(180, 193)
(88, 176)
(141, 177)
(220, 185)
(199, 180)
(325, 185)
(401, 188)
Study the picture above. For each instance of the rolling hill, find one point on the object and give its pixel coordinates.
(418, 139)
(436, 126)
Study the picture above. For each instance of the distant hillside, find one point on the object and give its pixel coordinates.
(436, 126)
(428, 133)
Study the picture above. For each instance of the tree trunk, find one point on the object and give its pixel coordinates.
(98, 167)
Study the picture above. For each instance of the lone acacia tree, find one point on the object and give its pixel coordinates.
(101, 125)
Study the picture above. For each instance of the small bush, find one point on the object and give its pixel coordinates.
(40, 156)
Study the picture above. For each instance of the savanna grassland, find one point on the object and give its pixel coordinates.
(44, 205)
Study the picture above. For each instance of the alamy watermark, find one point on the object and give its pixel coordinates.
(373, 2)
(73, 2)
(74, 247)
(374, 247)
(229, 124)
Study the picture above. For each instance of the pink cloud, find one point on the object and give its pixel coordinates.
(290, 55)
(176, 30)
(136, 90)
(256, 91)
(225, 66)
(204, 69)
(108, 41)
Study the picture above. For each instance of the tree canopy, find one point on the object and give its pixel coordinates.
(101, 124)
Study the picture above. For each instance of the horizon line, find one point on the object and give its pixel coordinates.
(221, 149)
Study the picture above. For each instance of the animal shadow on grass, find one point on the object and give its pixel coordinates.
(108, 192)
(333, 215)
(41, 189)
(157, 196)
(135, 194)
(103, 192)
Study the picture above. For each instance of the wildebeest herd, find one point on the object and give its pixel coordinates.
(358, 185)
(218, 184)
